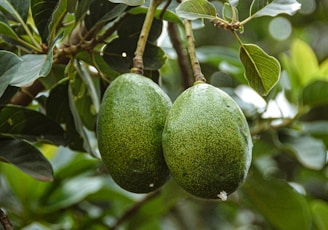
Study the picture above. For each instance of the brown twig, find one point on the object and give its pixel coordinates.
(138, 65)
(198, 75)
(182, 58)
(134, 209)
(5, 222)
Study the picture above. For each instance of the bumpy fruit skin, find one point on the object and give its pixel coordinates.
(207, 143)
(129, 130)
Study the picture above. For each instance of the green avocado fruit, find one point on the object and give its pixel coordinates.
(207, 143)
(129, 131)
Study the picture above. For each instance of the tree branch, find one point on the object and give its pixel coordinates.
(134, 209)
(182, 58)
(4, 220)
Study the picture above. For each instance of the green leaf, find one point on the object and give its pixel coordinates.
(129, 2)
(320, 213)
(71, 192)
(58, 109)
(42, 13)
(273, 8)
(26, 157)
(22, 71)
(77, 107)
(316, 93)
(56, 19)
(168, 15)
(17, 9)
(133, 24)
(7, 31)
(20, 122)
(305, 62)
(261, 70)
(194, 9)
(277, 202)
(103, 11)
(85, 96)
(310, 152)
(119, 55)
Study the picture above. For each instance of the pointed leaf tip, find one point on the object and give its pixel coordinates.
(261, 70)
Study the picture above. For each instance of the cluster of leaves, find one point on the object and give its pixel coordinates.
(72, 49)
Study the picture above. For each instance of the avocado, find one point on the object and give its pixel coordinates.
(207, 143)
(129, 131)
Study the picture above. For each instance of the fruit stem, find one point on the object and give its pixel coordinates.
(138, 66)
(198, 75)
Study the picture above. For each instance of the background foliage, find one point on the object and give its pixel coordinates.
(57, 58)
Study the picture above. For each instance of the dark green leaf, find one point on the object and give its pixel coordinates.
(316, 93)
(277, 201)
(132, 26)
(77, 107)
(103, 11)
(28, 124)
(261, 70)
(26, 157)
(17, 9)
(129, 2)
(56, 19)
(22, 71)
(7, 31)
(82, 9)
(58, 109)
(195, 9)
(274, 7)
(120, 52)
(85, 96)
(42, 13)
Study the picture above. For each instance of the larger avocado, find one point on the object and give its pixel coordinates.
(129, 130)
(207, 143)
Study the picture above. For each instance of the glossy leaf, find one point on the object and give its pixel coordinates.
(7, 31)
(119, 55)
(277, 202)
(24, 70)
(261, 70)
(129, 2)
(56, 19)
(58, 109)
(132, 26)
(26, 157)
(273, 8)
(20, 122)
(77, 107)
(316, 93)
(17, 9)
(85, 96)
(195, 9)
(42, 13)
(102, 11)
(72, 192)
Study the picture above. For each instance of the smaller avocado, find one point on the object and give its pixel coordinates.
(207, 143)
(129, 131)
